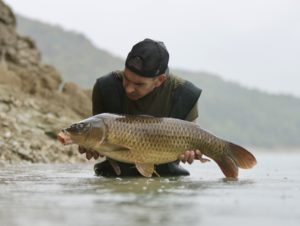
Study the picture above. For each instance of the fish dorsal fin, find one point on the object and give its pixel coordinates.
(115, 166)
(146, 169)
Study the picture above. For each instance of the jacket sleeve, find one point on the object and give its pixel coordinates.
(193, 114)
(96, 99)
(185, 100)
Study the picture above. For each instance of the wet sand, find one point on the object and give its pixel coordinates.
(70, 194)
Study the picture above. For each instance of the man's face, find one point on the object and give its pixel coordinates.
(136, 86)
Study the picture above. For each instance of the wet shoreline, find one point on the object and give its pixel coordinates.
(70, 194)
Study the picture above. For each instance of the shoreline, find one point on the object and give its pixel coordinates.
(287, 150)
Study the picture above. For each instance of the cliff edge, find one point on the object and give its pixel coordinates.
(34, 102)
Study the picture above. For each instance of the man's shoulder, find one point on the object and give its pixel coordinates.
(175, 81)
(185, 97)
(179, 83)
(109, 91)
(109, 82)
(112, 76)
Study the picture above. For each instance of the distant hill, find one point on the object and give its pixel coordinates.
(71, 53)
(248, 117)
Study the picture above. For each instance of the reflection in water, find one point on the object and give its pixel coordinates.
(72, 195)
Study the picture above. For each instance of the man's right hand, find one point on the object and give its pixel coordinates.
(89, 153)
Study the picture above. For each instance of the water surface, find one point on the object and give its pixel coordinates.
(70, 194)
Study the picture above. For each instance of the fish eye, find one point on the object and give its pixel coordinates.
(79, 128)
(81, 125)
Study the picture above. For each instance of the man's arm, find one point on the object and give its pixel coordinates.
(97, 109)
(193, 114)
(190, 155)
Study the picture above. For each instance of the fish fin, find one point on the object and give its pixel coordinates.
(228, 166)
(146, 169)
(236, 156)
(115, 166)
(203, 160)
(156, 173)
(243, 158)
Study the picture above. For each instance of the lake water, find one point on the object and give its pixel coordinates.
(70, 194)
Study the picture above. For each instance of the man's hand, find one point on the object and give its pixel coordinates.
(190, 155)
(89, 153)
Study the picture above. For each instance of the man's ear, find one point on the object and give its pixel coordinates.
(160, 80)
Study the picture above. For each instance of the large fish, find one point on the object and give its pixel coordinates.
(147, 141)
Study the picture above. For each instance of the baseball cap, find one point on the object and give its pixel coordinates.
(148, 58)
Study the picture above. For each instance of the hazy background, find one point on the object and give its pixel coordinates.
(255, 43)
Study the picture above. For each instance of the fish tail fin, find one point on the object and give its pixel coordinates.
(243, 158)
(236, 157)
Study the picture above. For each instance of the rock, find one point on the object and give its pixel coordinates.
(35, 146)
(50, 77)
(9, 77)
(6, 15)
(32, 107)
(83, 101)
(7, 134)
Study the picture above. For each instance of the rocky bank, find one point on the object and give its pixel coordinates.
(34, 103)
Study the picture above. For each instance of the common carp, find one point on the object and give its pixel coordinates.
(147, 141)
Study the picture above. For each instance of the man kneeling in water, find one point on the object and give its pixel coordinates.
(145, 87)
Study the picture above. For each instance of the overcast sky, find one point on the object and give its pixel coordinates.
(255, 43)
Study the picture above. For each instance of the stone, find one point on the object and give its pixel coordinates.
(32, 106)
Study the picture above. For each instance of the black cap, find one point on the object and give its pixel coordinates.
(148, 58)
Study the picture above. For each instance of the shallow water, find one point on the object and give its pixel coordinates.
(69, 194)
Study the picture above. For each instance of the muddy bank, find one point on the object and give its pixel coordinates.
(33, 106)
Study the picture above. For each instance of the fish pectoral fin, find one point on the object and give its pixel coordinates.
(203, 160)
(115, 166)
(156, 173)
(146, 169)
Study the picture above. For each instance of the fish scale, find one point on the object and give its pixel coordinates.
(160, 140)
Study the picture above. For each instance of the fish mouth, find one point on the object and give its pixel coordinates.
(64, 137)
